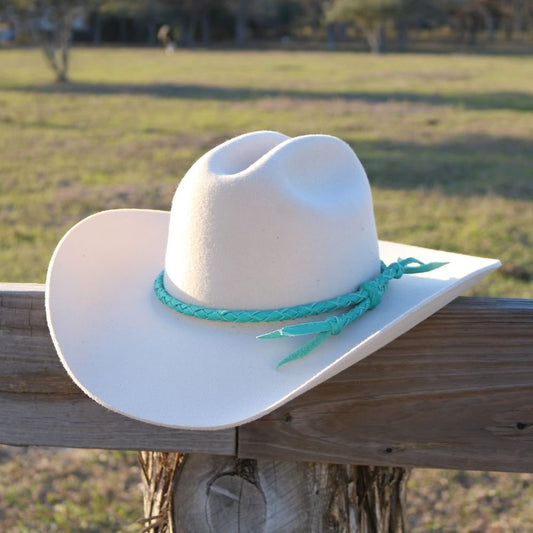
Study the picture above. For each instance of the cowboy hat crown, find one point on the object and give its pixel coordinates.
(264, 221)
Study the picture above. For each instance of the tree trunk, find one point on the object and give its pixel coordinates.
(205, 28)
(488, 19)
(56, 50)
(401, 34)
(241, 31)
(331, 41)
(225, 494)
(123, 28)
(519, 16)
(65, 42)
(376, 38)
(97, 28)
(471, 31)
(55, 43)
(190, 37)
(152, 24)
(152, 33)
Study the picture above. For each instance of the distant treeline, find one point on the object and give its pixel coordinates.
(208, 22)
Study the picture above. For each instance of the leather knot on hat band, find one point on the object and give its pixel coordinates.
(374, 290)
(365, 298)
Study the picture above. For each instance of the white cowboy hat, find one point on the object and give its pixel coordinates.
(262, 222)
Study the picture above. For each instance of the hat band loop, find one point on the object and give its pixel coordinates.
(367, 297)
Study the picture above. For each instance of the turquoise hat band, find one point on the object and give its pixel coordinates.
(365, 298)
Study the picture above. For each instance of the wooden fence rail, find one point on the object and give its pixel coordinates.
(454, 392)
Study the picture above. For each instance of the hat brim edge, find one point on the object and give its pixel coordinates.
(402, 323)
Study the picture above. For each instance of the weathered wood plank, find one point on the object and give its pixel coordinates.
(40, 405)
(455, 392)
(81, 423)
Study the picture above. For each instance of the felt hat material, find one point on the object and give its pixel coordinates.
(262, 221)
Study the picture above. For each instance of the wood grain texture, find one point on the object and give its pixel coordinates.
(160, 472)
(40, 405)
(223, 494)
(454, 392)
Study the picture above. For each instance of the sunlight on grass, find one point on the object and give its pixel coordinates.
(95, 491)
(445, 140)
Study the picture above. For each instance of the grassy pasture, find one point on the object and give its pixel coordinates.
(446, 141)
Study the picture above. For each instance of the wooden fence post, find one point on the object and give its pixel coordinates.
(225, 494)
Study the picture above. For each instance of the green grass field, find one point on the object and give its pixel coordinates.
(446, 141)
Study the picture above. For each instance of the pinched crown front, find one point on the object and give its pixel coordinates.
(264, 221)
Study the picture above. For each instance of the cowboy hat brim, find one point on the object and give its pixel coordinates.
(135, 356)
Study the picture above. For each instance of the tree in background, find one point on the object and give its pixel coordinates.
(241, 22)
(513, 16)
(55, 35)
(50, 24)
(371, 16)
(313, 12)
(123, 11)
(191, 19)
(413, 14)
(472, 16)
(469, 16)
(250, 15)
(287, 13)
(137, 21)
